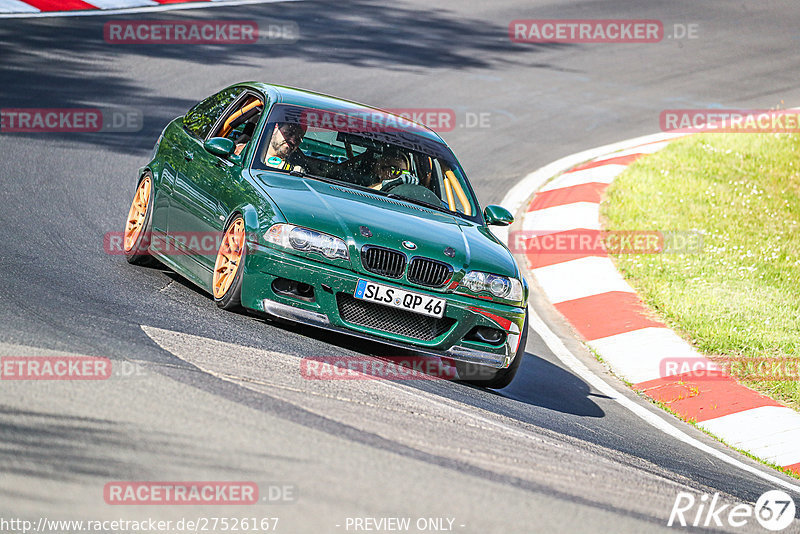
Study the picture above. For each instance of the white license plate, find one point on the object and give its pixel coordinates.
(400, 298)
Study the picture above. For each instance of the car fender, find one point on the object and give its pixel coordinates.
(250, 215)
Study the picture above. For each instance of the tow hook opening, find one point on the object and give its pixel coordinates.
(293, 289)
(486, 334)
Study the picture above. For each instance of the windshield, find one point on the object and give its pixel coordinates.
(367, 150)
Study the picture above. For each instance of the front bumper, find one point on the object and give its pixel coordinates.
(265, 264)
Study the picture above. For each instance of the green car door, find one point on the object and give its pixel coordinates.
(194, 211)
(170, 160)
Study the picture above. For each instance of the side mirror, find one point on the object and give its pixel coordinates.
(219, 146)
(497, 215)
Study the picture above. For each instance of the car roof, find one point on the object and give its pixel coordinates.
(302, 97)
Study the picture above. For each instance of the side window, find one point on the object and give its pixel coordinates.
(240, 124)
(202, 117)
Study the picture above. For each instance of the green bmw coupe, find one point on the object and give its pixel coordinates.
(330, 213)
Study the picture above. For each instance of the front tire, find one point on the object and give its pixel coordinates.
(136, 238)
(486, 377)
(228, 267)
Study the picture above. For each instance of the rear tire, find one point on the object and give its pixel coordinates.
(136, 238)
(228, 267)
(487, 377)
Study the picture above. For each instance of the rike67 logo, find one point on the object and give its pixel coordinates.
(774, 510)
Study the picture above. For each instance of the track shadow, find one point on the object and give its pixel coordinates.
(41, 445)
(45, 446)
(546, 385)
(53, 447)
(66, 63)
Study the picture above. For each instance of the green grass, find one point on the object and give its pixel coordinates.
(739, 296)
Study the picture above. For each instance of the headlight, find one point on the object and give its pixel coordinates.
(306, 240)
(501, 287)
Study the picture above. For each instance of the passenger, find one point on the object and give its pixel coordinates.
(391, 169)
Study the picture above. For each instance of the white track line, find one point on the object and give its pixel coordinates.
(624, 353)
(580, 278)
(513, 202)
(16, 6)
(603, 174)
(585, 215)
(567, 358)
(778, 437)
(122, 4)
(149, 9)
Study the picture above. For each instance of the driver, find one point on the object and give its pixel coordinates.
(392, 169)
(281, 151)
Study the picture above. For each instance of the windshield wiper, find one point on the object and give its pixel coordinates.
(419, 202)
(304, 174)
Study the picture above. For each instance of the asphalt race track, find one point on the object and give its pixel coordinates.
(216, 396)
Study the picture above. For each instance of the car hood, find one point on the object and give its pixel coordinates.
(341, 211)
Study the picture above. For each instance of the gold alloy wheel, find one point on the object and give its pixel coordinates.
(137, 213)
(230, 254)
